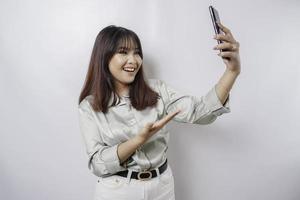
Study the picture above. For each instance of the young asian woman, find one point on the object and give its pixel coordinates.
(122, 115)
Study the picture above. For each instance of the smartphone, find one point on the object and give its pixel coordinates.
(214, 14)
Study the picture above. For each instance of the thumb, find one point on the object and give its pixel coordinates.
(149, 125)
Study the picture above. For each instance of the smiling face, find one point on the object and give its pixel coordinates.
(124, 65)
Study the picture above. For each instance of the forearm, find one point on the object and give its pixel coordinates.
(126, 149)
(225, 84)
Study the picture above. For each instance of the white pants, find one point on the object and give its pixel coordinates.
(120, 188)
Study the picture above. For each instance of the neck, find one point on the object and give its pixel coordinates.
(122, 90)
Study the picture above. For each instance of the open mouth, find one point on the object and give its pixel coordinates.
(129, 69)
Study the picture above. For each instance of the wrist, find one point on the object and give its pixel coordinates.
(233, 73)
(138, 141)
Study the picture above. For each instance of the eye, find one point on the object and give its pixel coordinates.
(137, 52)
(122, 52)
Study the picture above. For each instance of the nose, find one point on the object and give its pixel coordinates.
(132, 59)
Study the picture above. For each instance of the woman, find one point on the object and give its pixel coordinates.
(123, 116)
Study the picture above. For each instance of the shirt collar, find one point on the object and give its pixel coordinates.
(122, 100)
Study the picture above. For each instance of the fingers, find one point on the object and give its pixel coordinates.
(171, 116)
(228, 54)
(148, 126)
(225, 38)
(166, 119)
(151, 128)
(227, 46)
(223, 28)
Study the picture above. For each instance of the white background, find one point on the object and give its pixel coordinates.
(251, 153)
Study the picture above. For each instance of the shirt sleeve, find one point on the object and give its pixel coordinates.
(103, 160)
(203, 110)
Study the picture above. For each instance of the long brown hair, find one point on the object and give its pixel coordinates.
(99, 81)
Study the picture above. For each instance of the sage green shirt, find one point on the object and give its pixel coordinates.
(102, 133)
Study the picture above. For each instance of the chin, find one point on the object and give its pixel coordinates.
(130, 80)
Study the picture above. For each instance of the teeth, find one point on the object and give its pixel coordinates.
(129, 69)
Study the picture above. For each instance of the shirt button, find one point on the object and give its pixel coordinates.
(132, 121)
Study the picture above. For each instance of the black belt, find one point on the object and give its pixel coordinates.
(144, 175)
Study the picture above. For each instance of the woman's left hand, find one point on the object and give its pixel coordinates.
(230, 50)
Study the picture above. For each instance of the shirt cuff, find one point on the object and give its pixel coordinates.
(110, 158)
(214, 104)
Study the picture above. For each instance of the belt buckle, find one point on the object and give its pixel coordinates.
(140, 174)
